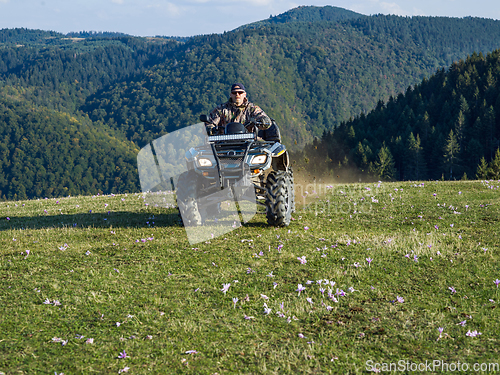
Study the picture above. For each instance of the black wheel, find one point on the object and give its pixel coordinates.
(279, 198)
(186, 199)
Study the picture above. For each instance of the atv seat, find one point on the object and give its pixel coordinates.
(271, 134)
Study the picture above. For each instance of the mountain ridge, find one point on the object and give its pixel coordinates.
(311, 76)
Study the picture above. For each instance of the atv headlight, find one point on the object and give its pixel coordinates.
(204, 162)
(258, 159)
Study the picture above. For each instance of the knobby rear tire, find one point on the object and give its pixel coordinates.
(279, 198)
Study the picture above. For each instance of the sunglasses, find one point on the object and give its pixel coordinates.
(237, 92)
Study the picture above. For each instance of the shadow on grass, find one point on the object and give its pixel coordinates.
(119, 219)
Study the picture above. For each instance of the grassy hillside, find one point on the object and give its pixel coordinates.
(387, 272)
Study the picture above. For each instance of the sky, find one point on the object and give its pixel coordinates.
(195, 17)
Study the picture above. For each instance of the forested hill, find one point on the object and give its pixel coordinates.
(448, 126)
(309, 76)
(44, 153)
(310, 68)
(307, 14)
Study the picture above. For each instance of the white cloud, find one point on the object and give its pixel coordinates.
(392, 8)
(260, 2)
(168, 9)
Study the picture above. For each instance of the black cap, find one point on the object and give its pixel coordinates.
(238, 87)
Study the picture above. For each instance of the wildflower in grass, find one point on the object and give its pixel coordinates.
(123, 355)
(248, 317)
(400, 299)
(415, 258)
(369, 260)
(275, 284)
(302, 259)
(309, 300)
(125, 369)
(453, 291)
(235, 301)
(249, 270)
(47, 302)
(57, 339)
(497, 282)
(462, 323)
(264, 296)
(225, 287)
(329, 308)
(88, 252)
(306, 228)
(267, 310)
(322, 290)
(352, 290)
(89, 341)
(191, 352)
(270, 274)
(27, 253)
(485, 249)
(300, 288)
(118, 324)
(301, 336)
(356, 264)
(473, 333)
(440, 329)
(341, 293)
(57, 303)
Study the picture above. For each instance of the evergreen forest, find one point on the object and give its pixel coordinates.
(393, 97)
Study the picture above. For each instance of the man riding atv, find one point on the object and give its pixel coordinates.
(237, 109)
(221, 169)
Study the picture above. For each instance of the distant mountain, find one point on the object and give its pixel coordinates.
(312, 69)
(307, 14)
(309, 76)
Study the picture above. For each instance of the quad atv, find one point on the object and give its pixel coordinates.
(251, 168)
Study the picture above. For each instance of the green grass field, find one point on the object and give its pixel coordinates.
(367, 276)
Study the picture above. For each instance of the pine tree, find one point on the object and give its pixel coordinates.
(415, 164)
(384, 165)
(482, 169)
(494, 167)
(451, 151)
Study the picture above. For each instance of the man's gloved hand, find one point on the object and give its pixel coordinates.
(210, 129)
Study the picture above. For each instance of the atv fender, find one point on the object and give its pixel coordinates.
(281, 162)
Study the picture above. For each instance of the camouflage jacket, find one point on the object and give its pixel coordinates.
(229, 112)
